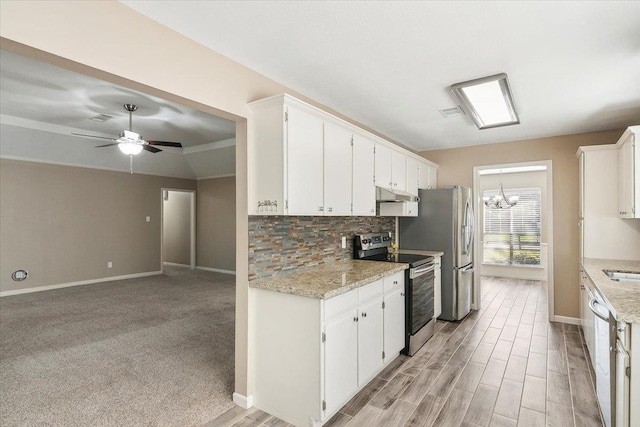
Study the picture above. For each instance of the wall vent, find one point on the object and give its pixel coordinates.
(452, 112)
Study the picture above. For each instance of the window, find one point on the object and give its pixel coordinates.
(512, 236)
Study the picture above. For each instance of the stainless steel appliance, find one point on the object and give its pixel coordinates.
(419, 282)
(445, 223)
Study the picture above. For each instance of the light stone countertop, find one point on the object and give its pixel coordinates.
(622, 296)
(328, 280)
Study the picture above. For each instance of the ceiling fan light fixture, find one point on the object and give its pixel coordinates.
(130, 148)
(488, 100)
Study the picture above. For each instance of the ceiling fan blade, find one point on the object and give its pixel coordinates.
(151, 149)
(92, 136)
(165, 143)
(106, 145)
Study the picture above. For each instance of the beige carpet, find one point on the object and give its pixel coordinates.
(152, 351)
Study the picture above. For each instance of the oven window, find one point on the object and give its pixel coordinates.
(422, 309)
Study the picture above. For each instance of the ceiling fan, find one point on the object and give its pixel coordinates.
(131, 143)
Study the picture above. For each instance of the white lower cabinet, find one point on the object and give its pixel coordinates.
(311, 356)
(340, 360)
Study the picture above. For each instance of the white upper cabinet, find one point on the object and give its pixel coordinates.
(629, 174)
(383, 166)
(364, 190)
(338, 167)
(304, 161)
(399, 170)
(413, 174)
(428, 176)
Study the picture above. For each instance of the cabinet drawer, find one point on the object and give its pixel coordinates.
(338, 304)
(393, 282)
(370, 291)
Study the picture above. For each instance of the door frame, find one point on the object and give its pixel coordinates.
(192, 226)
(477, 262)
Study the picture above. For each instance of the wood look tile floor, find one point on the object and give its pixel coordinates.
(505, 365)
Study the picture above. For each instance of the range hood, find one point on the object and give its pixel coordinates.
(388, 195)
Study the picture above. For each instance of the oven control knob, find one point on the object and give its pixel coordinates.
(365, 241)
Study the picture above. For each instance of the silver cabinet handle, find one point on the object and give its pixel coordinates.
(330, 209)
(355, 319)
(321, 208)
(373, 210)
(364, 314)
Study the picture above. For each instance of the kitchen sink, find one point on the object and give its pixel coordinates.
(622, 275)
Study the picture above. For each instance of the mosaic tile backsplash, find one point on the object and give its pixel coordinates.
(281, 243)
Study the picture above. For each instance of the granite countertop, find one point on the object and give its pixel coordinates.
(417, 252)
(622, 296)
(328, 280)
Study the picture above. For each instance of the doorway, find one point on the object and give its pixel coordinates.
(178, 228)
(514, 242)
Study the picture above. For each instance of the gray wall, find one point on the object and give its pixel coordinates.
(216, 223)
(63, 224)
(176, 227)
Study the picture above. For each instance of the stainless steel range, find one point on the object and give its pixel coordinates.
(419, 282)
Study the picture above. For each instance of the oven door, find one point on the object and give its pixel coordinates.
(420, 292)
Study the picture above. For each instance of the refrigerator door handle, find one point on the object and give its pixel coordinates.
(467, 269)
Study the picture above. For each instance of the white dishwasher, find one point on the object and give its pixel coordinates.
(603, 349)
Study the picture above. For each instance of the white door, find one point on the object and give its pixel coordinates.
(393, 323)
(399, 171)
(364, 190)
(337, 170)
(370, 340)
(383, 166)
(304, 163)
(340, 360)
(413, 173)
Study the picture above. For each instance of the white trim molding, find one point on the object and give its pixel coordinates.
(80, 283)
(242, 401)
(175, 264)
(567, 320)
(216, 270)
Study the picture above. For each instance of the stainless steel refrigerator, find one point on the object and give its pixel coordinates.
(445, 223)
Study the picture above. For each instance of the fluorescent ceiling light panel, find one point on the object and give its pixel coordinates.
(488, 101)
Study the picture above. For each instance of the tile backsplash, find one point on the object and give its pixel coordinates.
(281, 243)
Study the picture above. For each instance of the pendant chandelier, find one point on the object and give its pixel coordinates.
(500, 201)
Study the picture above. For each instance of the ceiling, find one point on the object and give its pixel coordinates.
(41, 105)
(573, 66)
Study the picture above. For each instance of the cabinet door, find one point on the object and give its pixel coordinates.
(399, 171)
(413, 172)
(437, 289)
(370, 340)
(393, 323)
(364, 190)
(625, 179)
(304, 163)
(424, 180)
(622, 386)
(340, 360)
(337, 170)
(383, 166)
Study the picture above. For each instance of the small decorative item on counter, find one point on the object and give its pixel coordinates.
(394, 248)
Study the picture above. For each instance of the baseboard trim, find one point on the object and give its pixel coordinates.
(175, 264)
(568, 320)
(244, 402)
(80, 283)
(216, 270)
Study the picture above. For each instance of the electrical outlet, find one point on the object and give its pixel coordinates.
(148, 219)
(109, 264)
(344, 242)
